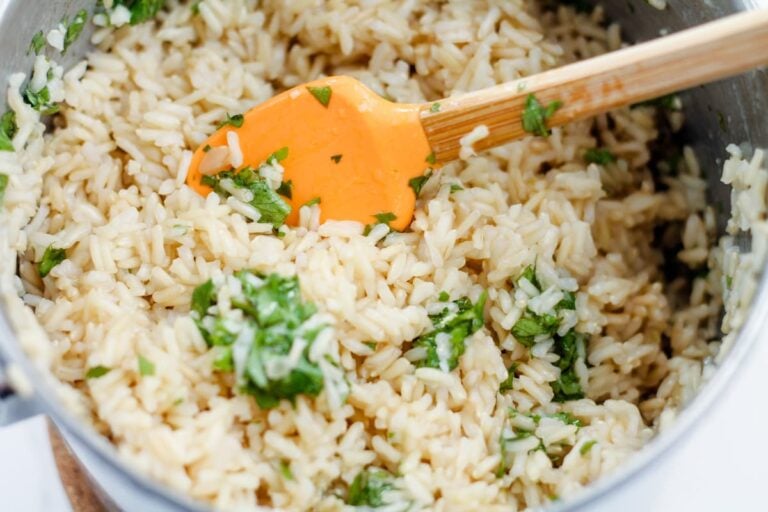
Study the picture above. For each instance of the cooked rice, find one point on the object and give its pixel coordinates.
(106, 186)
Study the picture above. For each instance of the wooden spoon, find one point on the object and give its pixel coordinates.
(357, 152)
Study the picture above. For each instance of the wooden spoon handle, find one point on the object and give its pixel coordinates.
(691, 57)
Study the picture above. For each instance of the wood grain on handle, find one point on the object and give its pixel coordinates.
(691, 57)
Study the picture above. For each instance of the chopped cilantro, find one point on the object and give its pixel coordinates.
(531, 325)
(535, 115)
(285, 470)
(529, 273)
(142, 10)
(195, 7)
(431, 158)
(381, 218)
(274, 317)
(586, 447)
(207, 148)
(371, 345)
(418, 183)
(458, 320)
(435, 107)
(146, 367)
(668, 102)
(278, 156)
(274, 210)
(37, 44)
(568, 386)
(7, 131)
(599, 156)
(312, 202)
(567, 302)
(286, 189)
(507, 384)
(3, 186)
(368, 488)
(51, 257)
(41, 101)
(567, 418)
(75, 28)
(336, 158)
(455, 187)
(96, 372)
(322, 94)
(728, 282)
(236, 121)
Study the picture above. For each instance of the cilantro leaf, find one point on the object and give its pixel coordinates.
(322, 94)
(37, 43)
(418, 183)
(41, 101)
(535, 115)
(368, 488)
(431, 158)
(586, 447)
(3, 186)
(96, 372)
(457, 321)
(235, 121)
(272, 318)
(278, 156)
(75, 29)
(146, 367)
(507, 384)
(273, 209)
(312, 202)
(285, 470)
(51, 257)
(599, 156)
(531, 325)
(286, 189)
(669, 102)
(142, 10)
(567, 418)
(435, 108)
(529, 273)
(7, 131)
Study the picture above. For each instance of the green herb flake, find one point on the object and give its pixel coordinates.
(336, 158)
(142, 10)
(195, 8)
(235, 121)
(568, 385)
(435, 108)
(322, 94)
(431, 158)
(285, 470)
(669, 102)
(586, 447)
(455, 187)
(531, 325)
(51, 257)
(278, 156)
(535, 115)
(312, 202)
(529, 274)
(418, 183)
(729, 282)
(385, 217)
(3, 186)
(371, 345)
(368, 488)
(8, 130)
(37, 43)
(207, 148)
(599, 156)
(96, 372)
(273, 310)
(75, 28)
(286, 189)
(273, 209)
(146, 367)
(568, 418)
(507, 384)
(458, 321)
(41, 101)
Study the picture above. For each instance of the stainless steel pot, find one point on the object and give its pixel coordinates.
(717, 114)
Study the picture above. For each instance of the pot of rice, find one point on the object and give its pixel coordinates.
(560, 312)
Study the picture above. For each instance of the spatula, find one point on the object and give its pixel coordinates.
(361, 156)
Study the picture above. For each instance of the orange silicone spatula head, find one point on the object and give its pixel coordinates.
(353, 150)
